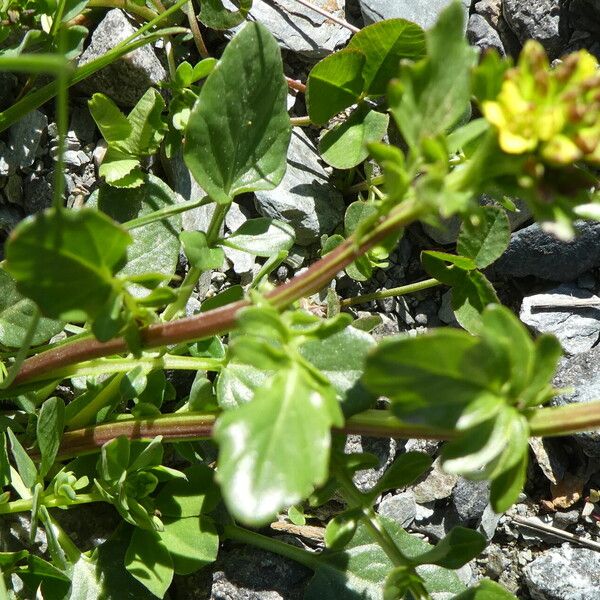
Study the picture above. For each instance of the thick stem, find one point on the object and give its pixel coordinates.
(410, 288)
(198, 39)
(564, 420)
(25, 504)
(300, 121)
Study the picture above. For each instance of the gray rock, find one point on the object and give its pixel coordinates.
(481, 34)
(13, 190)
(436, 485)
(23, 142)
(564, 573)
(579, 376)
(470, 499)
(537, 19)
(551, 457)
(401, 508)
(446, 314)
(562, 520)
(422, 12)
(577, 329)
(489, 522)
(491, 10)
(8, 89)
(533, 251)
(305, 199)
(127, 79)
(37, 189)
(438, 525)
(301, 29)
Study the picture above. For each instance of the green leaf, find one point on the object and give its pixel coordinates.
(47, 253)
(344, 146)
(114, 458)
(384, 45)
(215, 16)
(340, 530)
(149, 561)
(485, 236)
(433, 94)
(111, 122)
(547, 354)
(430, 378)
(470, 296)
(239, 130)
(192, 542)
(403, 471)
(198, 253)
(296, 515)
(486, 590)
(454, 550)
(261, 237)
(505, 488)
(25, 466)
(334, 83)
(155, 246)
(238, 383)
(4, 464)
(435, 264)
(360, 570)
(49, 431)
(275, 450)
(16, 313)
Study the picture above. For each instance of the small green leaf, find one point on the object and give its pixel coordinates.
(435, 263)
(403, 471)
(114, 458)
(149, 561)
(470, 296)
(275, 450)
(198, 253)
(384, 45)
(261, 237)
(296, 515)
(47, 253)
(215, 16)
(484, 236)
(111, 122)
(49, 431)
(25, 466)
(505, 488)
(454, 550)
(340, 530)
(398, 582)
(486, 590)
(334, 83)
(239, 130)
(345, 146)
(547, 354)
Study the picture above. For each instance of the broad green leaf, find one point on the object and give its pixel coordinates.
(49, 431)
(111, 122)
(149, 561)
(275, 450)
(484, 236)
(403, 471)
(430, 378)
(198, 253)
(238, 383)
(231, 294)
(261, 237)
(470, 296)
(360, 570)
(239, 130)
(384, 45)
(433, 94)
(344, 146)
(486, 590)
(334, 83)
(25, 466)
(72, 8)
(454, 550)
(155, 246)
(192, 542)
(50, 252)
(121, 170)
(16, 313)
(215, 16)
(465, 135)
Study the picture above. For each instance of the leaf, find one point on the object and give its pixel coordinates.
(403, 471)
(505, 488)
(433, 94)
(111, 122)
(344, 146)
(384, 45)
(47, 253)
(486, 590)
(454, 550)
(435, 264)
(548, 352)
(429, 379)
(16, 313)
(200, 256)
(25, 466)
(340, 530)
(470, 297)
(192, 542)
(49, 429)
(333, 84)
(261, 237)
(155, 246)
(215, 16)
(239, 130)
(238, 383)
(485, 236)
(149, 561)
(360, 570)
(274, 450)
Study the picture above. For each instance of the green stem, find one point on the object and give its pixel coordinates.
(164, 213)
(300, 121)
(140, 10)
(364, 186)
(410, 288)
(50, 501)
(564, 420)
(196, 33)
(304, 557)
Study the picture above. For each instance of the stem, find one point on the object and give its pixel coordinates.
(364, 186)
(196, 33)
(163, 213)
(221, 320)
(296, 85)
(564, 420)
(410, 288)
(87, 414)
(382, 423)
(139, 10)
(51, 501)
(300, 121)
(304, 557)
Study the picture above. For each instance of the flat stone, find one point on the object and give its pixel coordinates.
(401, 508)
(24, 139)
(305, 199)
(535, 19)
(577, 328)
(421, 12)
(481, 34)
(489, 522)
(470, 499)
(128, 78)
(579, 376)
(436, 485)
(300, 29)
(532, 251)
(564, 573)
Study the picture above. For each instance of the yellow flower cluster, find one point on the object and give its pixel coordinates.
(552, 112)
